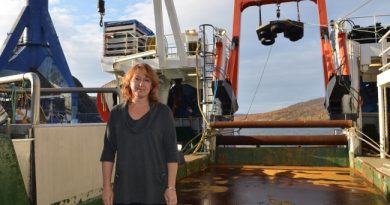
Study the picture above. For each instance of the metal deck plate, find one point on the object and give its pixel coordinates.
(269, 185)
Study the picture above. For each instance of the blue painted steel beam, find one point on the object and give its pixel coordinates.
(13, 37)
(40, 44)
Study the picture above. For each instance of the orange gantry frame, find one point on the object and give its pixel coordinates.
(344, 65)
(240, 5)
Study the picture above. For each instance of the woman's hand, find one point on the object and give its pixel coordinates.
(108, 195)
(170, 196)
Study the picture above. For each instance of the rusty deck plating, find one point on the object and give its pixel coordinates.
(250, 185)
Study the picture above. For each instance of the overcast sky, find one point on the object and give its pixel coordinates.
(294, 71)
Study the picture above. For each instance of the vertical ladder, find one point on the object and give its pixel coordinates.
(206, 70)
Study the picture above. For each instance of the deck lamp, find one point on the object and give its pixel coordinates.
(221, 32)
(190, 32)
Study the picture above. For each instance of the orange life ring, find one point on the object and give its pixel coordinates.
(102, 107)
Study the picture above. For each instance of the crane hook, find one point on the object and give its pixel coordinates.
(101, 11)
(278, 11)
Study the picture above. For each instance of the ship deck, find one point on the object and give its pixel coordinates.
(277, 185)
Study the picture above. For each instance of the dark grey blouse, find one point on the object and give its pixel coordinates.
(143, 148)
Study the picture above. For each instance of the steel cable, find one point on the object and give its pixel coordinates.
(258, 84)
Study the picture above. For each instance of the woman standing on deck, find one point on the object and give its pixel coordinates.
(141, 133)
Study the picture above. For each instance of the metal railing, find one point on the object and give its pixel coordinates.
(385, 50)
(129, 45)
(382, 84)
(36, 91)
(35, 94)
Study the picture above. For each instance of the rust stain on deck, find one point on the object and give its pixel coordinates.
(250, 185)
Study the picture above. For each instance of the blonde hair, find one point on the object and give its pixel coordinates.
(127, 94)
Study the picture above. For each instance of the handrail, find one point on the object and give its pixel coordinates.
(142, 48)
(36, 91)
(384, 51)
(384, 67)
(35, 84)
(384, 36)
(68, 90)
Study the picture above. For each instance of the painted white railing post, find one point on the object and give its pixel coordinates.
(383, 79)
